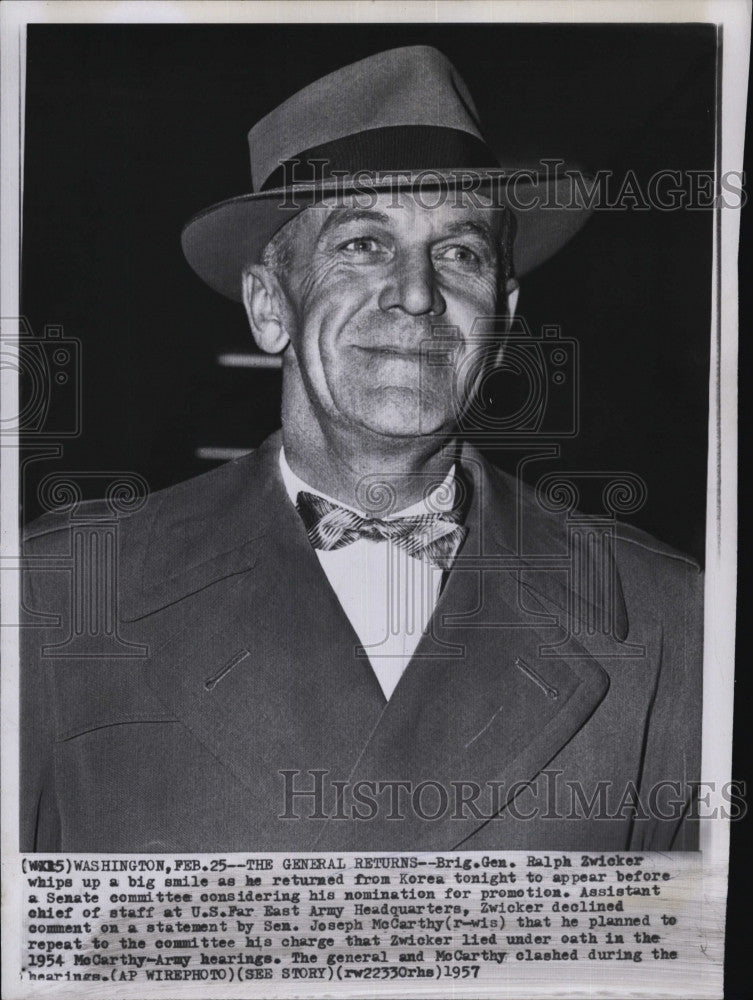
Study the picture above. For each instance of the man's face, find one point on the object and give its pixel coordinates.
(368, 287)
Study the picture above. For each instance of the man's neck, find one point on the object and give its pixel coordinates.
(365, 470)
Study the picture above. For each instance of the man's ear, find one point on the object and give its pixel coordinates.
(267, 308)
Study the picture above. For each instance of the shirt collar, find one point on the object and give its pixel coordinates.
(442, 497)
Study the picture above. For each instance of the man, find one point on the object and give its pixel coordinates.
(363, 636)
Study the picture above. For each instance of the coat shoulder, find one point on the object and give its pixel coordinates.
(648, 547)
(649, 577)
(630, 544)
(137, 512)
(172, 542)
(648, 564)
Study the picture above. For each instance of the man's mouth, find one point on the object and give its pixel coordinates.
(391, 351)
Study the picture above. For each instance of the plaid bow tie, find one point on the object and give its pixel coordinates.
(433, 536)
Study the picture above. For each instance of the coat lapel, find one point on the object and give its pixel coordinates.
(260, 661)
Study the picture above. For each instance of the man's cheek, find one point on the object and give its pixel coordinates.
(477, 297)
(328, 283)
(305, 346)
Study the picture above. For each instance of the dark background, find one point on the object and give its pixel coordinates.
(132, 129)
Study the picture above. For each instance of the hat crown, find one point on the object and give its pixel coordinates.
(415, 85)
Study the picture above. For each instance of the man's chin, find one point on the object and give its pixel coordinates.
(399, 413)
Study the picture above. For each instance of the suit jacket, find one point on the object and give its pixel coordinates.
(191, 683)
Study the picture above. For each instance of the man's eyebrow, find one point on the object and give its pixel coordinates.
(480, 228)
(343, 216)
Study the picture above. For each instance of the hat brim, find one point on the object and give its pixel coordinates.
(221, 241)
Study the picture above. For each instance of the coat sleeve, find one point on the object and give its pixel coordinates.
(672, 744)
(39, 817)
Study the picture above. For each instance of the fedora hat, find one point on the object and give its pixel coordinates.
(396, 120)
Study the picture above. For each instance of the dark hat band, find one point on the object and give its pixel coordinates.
(381, 150)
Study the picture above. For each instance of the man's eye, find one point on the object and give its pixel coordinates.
(459, 255)
(361, 246)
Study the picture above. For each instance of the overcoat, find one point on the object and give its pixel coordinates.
(191, 683)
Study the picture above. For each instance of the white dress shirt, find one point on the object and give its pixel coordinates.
(388, 595)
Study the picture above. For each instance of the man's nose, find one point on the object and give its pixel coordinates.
(412, 286)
